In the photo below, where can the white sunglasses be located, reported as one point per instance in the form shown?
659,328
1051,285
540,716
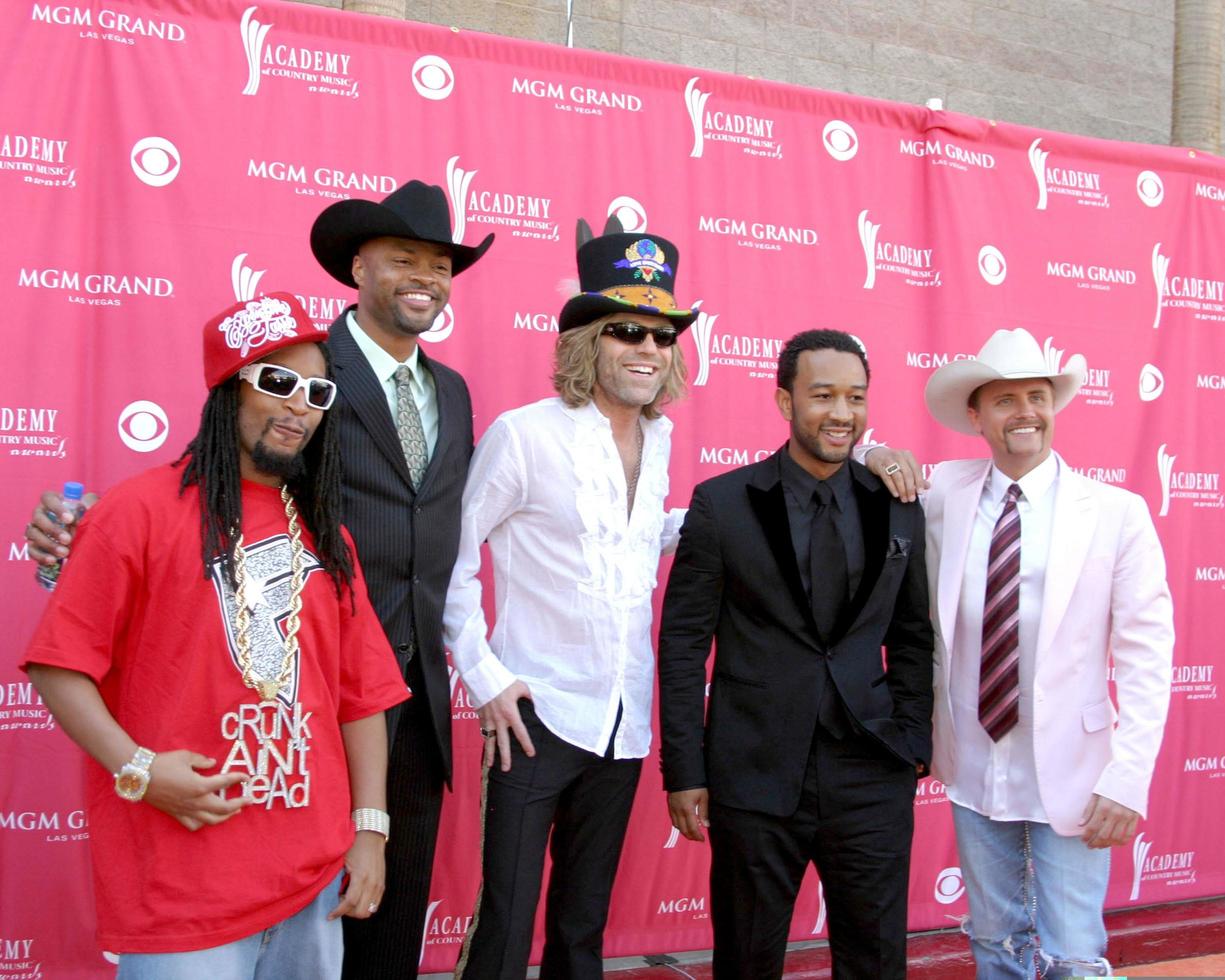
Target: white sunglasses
281,382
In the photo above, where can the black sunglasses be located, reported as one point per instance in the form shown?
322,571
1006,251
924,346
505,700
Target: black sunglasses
636,333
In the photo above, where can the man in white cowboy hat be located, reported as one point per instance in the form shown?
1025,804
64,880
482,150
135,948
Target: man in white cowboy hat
569,492
1040,578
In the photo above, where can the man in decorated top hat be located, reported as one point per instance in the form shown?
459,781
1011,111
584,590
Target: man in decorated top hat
234,702
1040,579
405,422
569,492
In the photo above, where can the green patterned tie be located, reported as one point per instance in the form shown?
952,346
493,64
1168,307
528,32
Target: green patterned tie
409,428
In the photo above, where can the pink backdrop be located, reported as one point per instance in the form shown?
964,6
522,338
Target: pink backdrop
159,158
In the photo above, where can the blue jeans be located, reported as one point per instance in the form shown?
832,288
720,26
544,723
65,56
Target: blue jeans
305,946
1035,899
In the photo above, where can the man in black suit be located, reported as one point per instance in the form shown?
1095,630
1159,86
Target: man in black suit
405,424
801,567
406,436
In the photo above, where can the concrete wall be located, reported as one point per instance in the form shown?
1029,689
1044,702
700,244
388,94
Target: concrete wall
1097,67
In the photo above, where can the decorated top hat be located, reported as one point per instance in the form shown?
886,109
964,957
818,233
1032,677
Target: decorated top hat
415,210
624,272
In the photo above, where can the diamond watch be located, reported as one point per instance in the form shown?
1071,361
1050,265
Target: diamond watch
133,779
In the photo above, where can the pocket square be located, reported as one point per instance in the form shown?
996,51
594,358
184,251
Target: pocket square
898,546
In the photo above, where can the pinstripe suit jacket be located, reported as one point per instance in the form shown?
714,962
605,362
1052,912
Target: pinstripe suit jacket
406,537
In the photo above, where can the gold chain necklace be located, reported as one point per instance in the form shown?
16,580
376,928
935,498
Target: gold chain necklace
633,483
268,689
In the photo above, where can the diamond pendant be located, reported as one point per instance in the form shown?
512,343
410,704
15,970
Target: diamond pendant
268,690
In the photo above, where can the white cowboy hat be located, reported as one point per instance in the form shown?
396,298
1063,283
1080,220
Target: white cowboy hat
1008,355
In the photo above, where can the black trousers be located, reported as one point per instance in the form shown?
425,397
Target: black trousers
855,822
585,800
388,944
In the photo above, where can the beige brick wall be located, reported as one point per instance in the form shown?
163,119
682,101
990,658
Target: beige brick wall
1098,67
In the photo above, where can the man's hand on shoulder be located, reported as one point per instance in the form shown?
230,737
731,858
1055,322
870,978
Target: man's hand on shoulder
898,470
690,811
1107,823
193,800
501,717
52,526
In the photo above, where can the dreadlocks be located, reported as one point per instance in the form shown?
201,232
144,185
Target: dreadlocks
212,466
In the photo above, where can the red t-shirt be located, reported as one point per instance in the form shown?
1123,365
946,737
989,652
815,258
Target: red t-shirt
134,612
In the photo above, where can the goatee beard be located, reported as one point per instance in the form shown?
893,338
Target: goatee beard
284,467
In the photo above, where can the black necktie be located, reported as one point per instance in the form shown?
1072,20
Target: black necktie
827,564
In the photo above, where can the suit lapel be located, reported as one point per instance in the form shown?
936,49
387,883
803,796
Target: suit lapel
960,508
874,521
365,396
448,397
769,504
1072,530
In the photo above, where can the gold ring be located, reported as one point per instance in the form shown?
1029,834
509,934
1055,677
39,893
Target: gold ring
891,469
489,732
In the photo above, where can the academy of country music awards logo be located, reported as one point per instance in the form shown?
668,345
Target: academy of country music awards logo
756,356
524,215
38,158
754,135
1204,297
579,99
1196,682
1172,869
462,708
323,72
1082,186
443,928
326,181
911,262
1094,390
106,24
1200,488
18,960
27,430
21,708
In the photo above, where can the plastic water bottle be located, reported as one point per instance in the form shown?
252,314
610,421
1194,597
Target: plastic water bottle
48,575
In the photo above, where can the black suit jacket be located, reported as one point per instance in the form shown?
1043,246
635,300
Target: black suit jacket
406,538
735,580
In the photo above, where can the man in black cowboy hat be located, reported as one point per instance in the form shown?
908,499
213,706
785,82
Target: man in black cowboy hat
405,425
569,492
406,428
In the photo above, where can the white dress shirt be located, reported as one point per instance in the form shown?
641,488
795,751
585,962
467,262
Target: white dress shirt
573,577
422,385
999,779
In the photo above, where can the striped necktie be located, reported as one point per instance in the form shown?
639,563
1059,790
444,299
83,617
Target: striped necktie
409,428
999,688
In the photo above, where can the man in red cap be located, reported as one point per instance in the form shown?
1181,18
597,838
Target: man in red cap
234,703
405,422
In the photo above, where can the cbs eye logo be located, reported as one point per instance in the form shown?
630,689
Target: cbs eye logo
840,139
432,77
991,265
949,886
155,161
143,426
631,214
444,323
1149,188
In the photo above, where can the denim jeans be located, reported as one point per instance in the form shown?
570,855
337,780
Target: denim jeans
305,947
1035,899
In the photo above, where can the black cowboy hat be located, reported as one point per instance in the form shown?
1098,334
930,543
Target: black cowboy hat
415,210
622,272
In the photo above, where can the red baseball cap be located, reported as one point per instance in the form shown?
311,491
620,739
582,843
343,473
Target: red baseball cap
251,330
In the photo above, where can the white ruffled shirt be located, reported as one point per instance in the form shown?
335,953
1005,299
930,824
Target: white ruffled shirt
573,578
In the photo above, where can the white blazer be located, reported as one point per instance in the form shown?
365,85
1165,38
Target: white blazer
1105,596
